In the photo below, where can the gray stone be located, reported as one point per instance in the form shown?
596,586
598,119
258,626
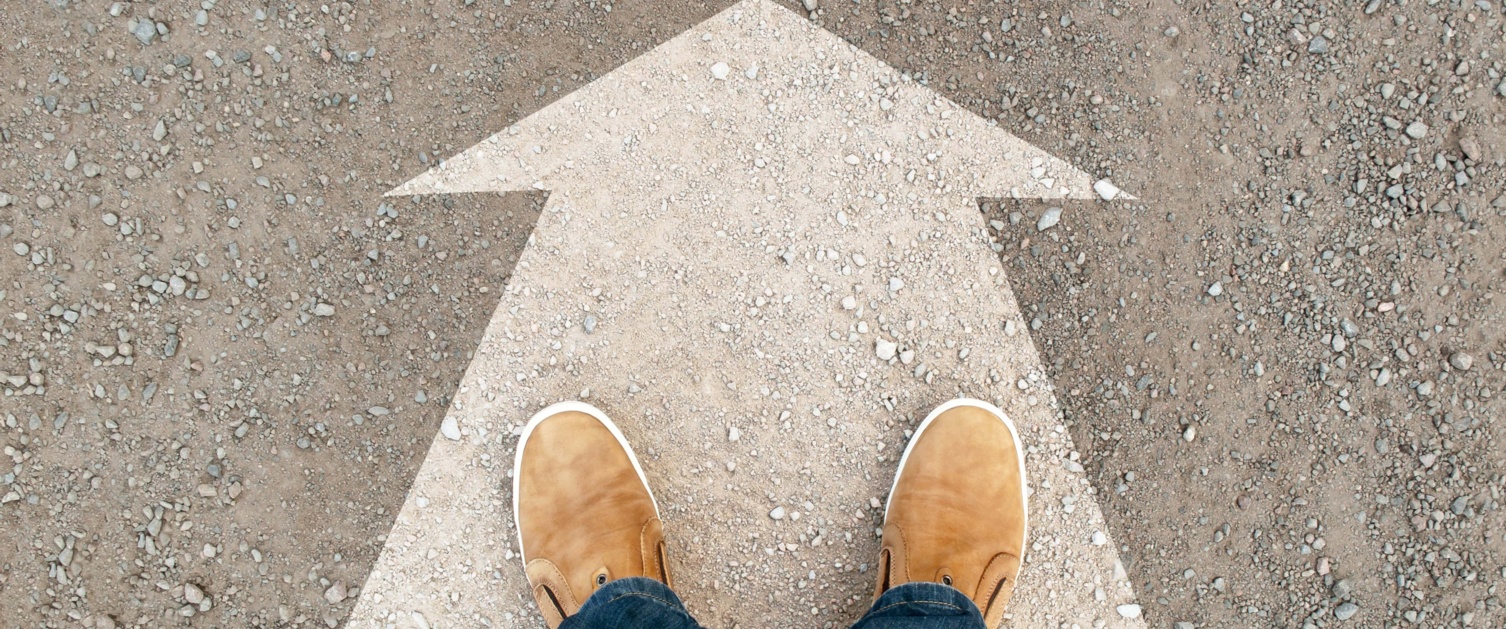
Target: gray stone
1417,130
335,593
1049,219
1318,45
1346,611
1471,148
1461,361
144,30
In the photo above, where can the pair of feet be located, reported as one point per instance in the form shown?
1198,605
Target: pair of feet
956,514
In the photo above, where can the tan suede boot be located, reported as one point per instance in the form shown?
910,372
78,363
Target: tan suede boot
584,512
957,512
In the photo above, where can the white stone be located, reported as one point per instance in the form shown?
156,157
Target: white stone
192,594
1106,189
450,428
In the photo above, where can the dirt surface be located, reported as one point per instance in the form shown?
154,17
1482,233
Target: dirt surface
1341,383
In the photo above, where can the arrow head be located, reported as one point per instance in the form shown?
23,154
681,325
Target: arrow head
759,92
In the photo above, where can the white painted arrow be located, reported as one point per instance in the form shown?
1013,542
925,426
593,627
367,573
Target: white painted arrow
737,220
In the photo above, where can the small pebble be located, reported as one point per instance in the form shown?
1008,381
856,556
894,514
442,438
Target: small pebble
335,593
1346,611
144,30
1049,219
1461,361
450,428
1106,189
192,594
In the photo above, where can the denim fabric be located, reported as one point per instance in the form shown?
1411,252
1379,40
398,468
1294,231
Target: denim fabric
639,603
632,603
922,606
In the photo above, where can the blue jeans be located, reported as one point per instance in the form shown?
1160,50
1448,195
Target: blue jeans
639,603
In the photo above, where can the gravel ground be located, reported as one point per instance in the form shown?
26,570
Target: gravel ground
1282,369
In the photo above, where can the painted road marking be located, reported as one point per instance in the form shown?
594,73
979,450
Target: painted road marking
745,218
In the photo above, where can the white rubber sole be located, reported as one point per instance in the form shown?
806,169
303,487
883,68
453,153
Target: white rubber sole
997,412
550,411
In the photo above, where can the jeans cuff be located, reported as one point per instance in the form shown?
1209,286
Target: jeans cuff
632,602
633,585
933,597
